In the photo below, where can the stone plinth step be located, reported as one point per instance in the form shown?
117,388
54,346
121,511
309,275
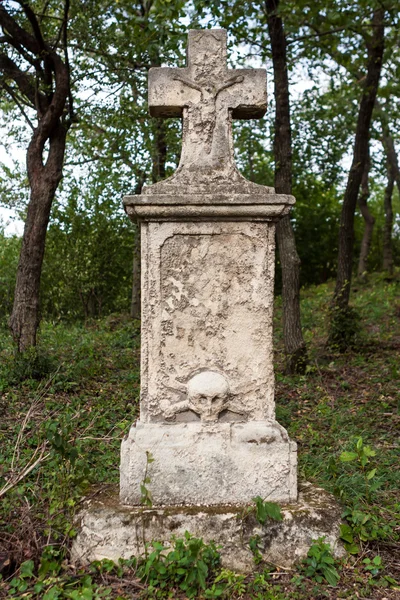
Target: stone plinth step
108,529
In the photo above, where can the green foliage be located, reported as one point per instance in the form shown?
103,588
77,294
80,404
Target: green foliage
146,497
9,252
344,326
267,510
254,543
374,566
320,564
79,413
365,526
186,567
31,364
361,457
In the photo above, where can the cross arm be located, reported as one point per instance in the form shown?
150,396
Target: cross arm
249,99
170,90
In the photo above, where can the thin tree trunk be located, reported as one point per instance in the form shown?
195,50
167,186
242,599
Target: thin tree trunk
44,180
295,348
136,268
360,153
387,231
46,86
369,223
159,157
388,145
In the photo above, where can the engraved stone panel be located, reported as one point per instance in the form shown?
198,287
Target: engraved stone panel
208,304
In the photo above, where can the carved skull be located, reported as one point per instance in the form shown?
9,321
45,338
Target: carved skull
208,395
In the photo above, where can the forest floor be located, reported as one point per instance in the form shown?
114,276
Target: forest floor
63,414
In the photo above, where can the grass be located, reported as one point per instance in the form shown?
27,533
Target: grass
68,426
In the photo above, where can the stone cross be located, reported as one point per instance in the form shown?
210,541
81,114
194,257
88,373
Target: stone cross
207,412
206,93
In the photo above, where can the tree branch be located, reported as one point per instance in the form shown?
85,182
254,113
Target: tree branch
66,58
19,34
14,96
48,78
24,81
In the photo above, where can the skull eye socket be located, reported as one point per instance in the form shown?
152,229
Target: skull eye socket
216,398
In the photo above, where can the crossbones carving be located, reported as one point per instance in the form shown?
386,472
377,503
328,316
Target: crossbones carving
207,396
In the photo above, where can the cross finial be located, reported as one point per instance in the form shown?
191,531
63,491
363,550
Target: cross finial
207,94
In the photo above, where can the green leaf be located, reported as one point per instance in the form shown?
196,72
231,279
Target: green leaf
351,548
359,443
348,456
371,474
26,569
267,510
368,451
346,533
332,576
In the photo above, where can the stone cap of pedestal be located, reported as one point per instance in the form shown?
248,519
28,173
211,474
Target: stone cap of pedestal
267,205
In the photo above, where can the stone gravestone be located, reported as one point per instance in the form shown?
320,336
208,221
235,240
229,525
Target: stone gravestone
207,414
207,441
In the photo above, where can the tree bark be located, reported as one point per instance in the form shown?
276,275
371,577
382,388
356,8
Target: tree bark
295,348
159,157
369,223
388,262
375,47
388,145
48,91
136,263
44,180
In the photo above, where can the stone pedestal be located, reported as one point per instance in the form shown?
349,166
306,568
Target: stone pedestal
209,464
107,529
207,413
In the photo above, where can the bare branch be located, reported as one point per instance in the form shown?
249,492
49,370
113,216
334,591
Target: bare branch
34,23
19,34
24,81
66,58
317,33
17,101
48,79
43,13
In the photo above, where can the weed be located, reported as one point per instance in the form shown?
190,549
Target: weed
187,566
267,510
320,564
361,457
146,497
344,326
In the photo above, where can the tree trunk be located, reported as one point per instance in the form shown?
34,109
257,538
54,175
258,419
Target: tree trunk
388,145
295,348
136,275
360,153
43,180
159,157
136,266
387,231
369,223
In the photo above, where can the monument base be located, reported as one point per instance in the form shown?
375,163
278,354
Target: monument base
208,463
111,530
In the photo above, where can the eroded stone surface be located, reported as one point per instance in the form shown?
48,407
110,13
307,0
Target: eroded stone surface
207,95
208,462
110,530
207,293
207,411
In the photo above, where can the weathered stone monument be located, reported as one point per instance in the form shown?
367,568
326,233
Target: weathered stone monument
207,411
207,436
